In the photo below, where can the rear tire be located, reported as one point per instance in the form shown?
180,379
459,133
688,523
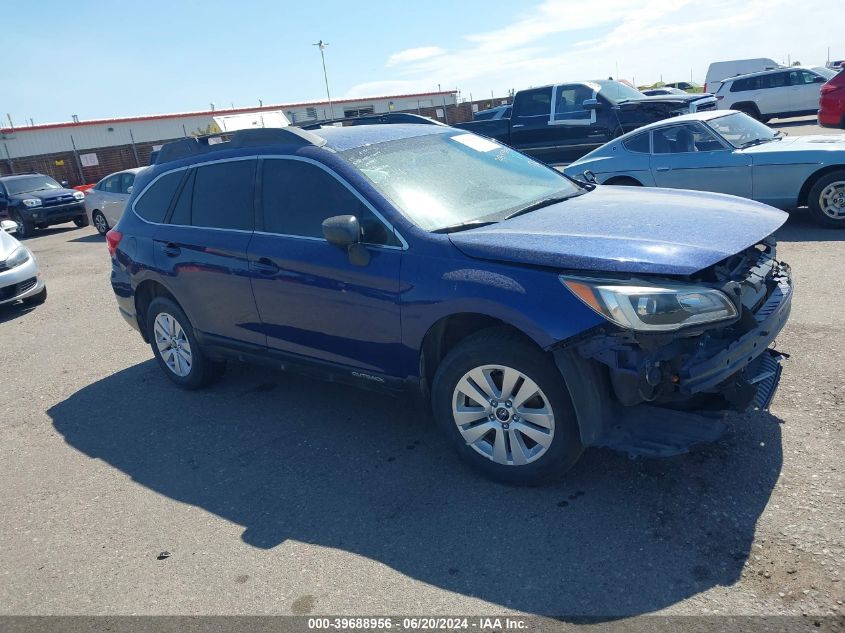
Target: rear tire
750,109
175,347
827,200
25,228
511,438
100,222
37,299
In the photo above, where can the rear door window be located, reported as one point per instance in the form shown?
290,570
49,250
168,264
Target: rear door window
534,103
111,184
221,196
155,201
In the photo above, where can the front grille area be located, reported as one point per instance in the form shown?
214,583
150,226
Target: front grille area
52,202
7,292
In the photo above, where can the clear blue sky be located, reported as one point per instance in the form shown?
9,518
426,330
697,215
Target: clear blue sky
99,59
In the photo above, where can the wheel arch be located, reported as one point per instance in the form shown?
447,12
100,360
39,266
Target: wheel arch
446,333
145,293
812,179
621,180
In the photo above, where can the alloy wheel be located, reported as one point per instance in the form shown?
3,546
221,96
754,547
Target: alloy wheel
173,344
100,223
503,415
832,200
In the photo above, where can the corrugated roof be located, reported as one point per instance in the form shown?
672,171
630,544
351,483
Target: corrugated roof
176,115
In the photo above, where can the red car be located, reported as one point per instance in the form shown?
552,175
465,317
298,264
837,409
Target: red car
832,102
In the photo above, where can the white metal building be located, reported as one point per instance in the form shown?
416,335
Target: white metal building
53,138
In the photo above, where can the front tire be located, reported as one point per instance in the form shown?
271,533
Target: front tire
176,348
25,228
81,221
100,222
505,407
827,200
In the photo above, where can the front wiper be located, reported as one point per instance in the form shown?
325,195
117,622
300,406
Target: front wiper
759,141
463,226
545,202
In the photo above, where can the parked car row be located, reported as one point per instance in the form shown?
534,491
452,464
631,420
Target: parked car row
727,152
562,122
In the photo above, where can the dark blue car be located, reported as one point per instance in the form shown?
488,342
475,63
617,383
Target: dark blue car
538,315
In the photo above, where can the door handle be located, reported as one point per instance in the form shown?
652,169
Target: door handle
663,169
265,266
518,125
171,250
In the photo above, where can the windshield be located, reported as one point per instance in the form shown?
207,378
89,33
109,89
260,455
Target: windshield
740,130
448,179
31,183
827,73
616,91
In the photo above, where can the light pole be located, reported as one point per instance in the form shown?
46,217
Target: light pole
322,45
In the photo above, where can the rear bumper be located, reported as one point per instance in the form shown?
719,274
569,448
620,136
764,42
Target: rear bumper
832,117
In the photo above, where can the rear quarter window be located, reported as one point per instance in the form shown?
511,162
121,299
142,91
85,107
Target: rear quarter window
639,143
153,204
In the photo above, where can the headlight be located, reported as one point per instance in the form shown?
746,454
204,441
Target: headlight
652,308
19,256
78,195
32,202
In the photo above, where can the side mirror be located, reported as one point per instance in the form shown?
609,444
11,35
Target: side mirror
344,231
819,80
590,177
64,183
591,104
9,226
129,189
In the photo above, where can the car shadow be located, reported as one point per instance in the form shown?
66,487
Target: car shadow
800,227
14,310
89,239
803,122
321,463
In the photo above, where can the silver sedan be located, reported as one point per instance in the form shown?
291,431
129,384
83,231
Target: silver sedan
20,276
106,200
727,152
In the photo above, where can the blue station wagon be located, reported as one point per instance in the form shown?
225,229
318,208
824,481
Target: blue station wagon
538,315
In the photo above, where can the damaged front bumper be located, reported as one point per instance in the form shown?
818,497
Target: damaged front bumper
658,394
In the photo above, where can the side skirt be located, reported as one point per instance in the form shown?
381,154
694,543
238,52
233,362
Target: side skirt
221,348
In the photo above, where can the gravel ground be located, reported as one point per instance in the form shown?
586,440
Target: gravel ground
272,493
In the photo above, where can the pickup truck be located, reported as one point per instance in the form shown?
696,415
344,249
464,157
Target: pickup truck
563,122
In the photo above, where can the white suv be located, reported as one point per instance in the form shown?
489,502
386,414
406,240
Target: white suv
774,93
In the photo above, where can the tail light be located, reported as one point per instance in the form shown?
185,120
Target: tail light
705,87
828,88
112,240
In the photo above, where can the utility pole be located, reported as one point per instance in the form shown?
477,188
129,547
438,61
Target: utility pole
322,46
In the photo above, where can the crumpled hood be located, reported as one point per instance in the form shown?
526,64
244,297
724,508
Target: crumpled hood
627,229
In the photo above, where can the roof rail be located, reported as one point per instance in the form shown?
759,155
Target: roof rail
376,119
253,137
